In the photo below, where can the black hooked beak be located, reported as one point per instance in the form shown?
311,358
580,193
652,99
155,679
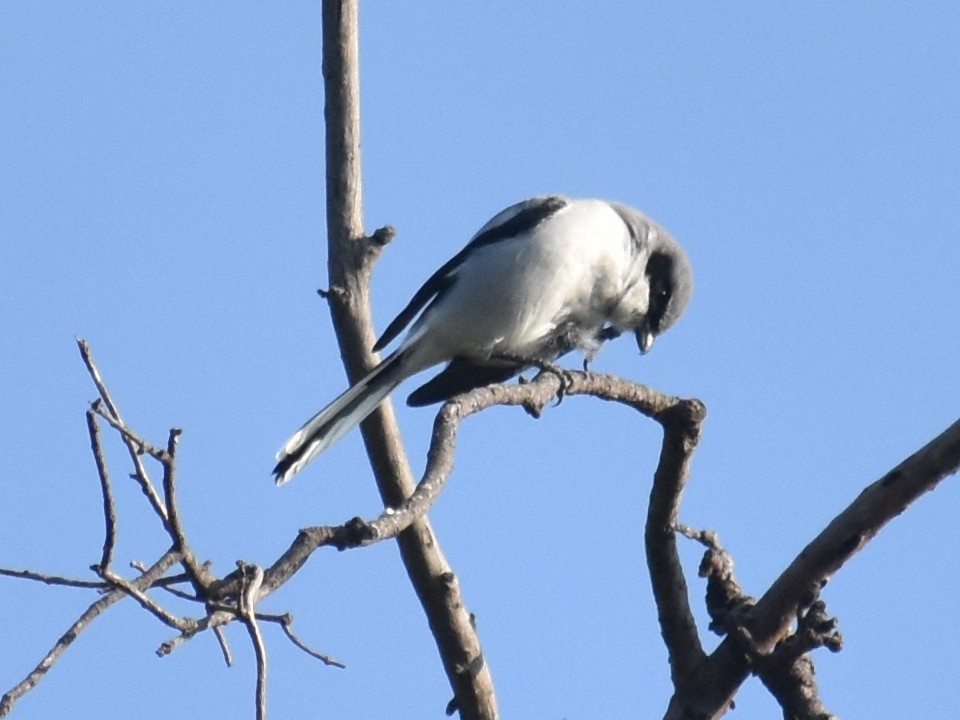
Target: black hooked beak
644,338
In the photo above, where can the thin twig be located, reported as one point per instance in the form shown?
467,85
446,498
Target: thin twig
52,579
91,613
251,580
87,355
167,583
176,592
109,510
224,645
140,445
148,604
286,624
133,447
199,575
168,509
215,618
707,538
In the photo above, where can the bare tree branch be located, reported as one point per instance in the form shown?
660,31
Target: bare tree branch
200,577
224,646
109,511
286,624
81,624
252,579
708,692
786,669
350,259
140,473
758,633
52,579
216,617
681,432
167,618
788,672
852,529
394,521
167,510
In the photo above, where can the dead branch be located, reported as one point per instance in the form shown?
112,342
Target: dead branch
786,668
140,474
234,597
109,511
286,624
159,612
52,579
90,614
681,432
708,692
758,634
167,511
199,575
251,580
350,259
852,529
788,671
394,521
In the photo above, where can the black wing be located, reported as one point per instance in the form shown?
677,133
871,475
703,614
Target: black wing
515,220
460,376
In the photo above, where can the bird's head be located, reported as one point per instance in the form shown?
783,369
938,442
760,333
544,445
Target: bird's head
670,284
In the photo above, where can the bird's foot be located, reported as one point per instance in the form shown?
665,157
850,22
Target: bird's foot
566,377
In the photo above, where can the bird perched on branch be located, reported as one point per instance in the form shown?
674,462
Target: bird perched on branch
543,277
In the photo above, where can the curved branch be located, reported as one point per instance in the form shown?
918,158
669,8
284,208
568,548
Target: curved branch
681,432
532,396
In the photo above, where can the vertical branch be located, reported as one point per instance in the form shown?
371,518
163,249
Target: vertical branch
350,260
251,578
198,574
681,431
109,511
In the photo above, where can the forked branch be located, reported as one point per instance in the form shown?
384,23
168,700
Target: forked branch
760,639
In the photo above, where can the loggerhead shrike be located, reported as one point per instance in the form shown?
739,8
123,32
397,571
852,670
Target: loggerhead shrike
543,277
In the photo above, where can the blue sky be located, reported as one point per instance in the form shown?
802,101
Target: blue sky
161,194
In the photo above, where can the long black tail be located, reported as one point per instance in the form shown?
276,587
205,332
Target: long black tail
339,417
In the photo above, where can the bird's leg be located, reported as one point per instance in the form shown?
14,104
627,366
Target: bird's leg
544,366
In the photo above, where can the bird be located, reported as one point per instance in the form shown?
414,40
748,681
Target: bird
543,277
